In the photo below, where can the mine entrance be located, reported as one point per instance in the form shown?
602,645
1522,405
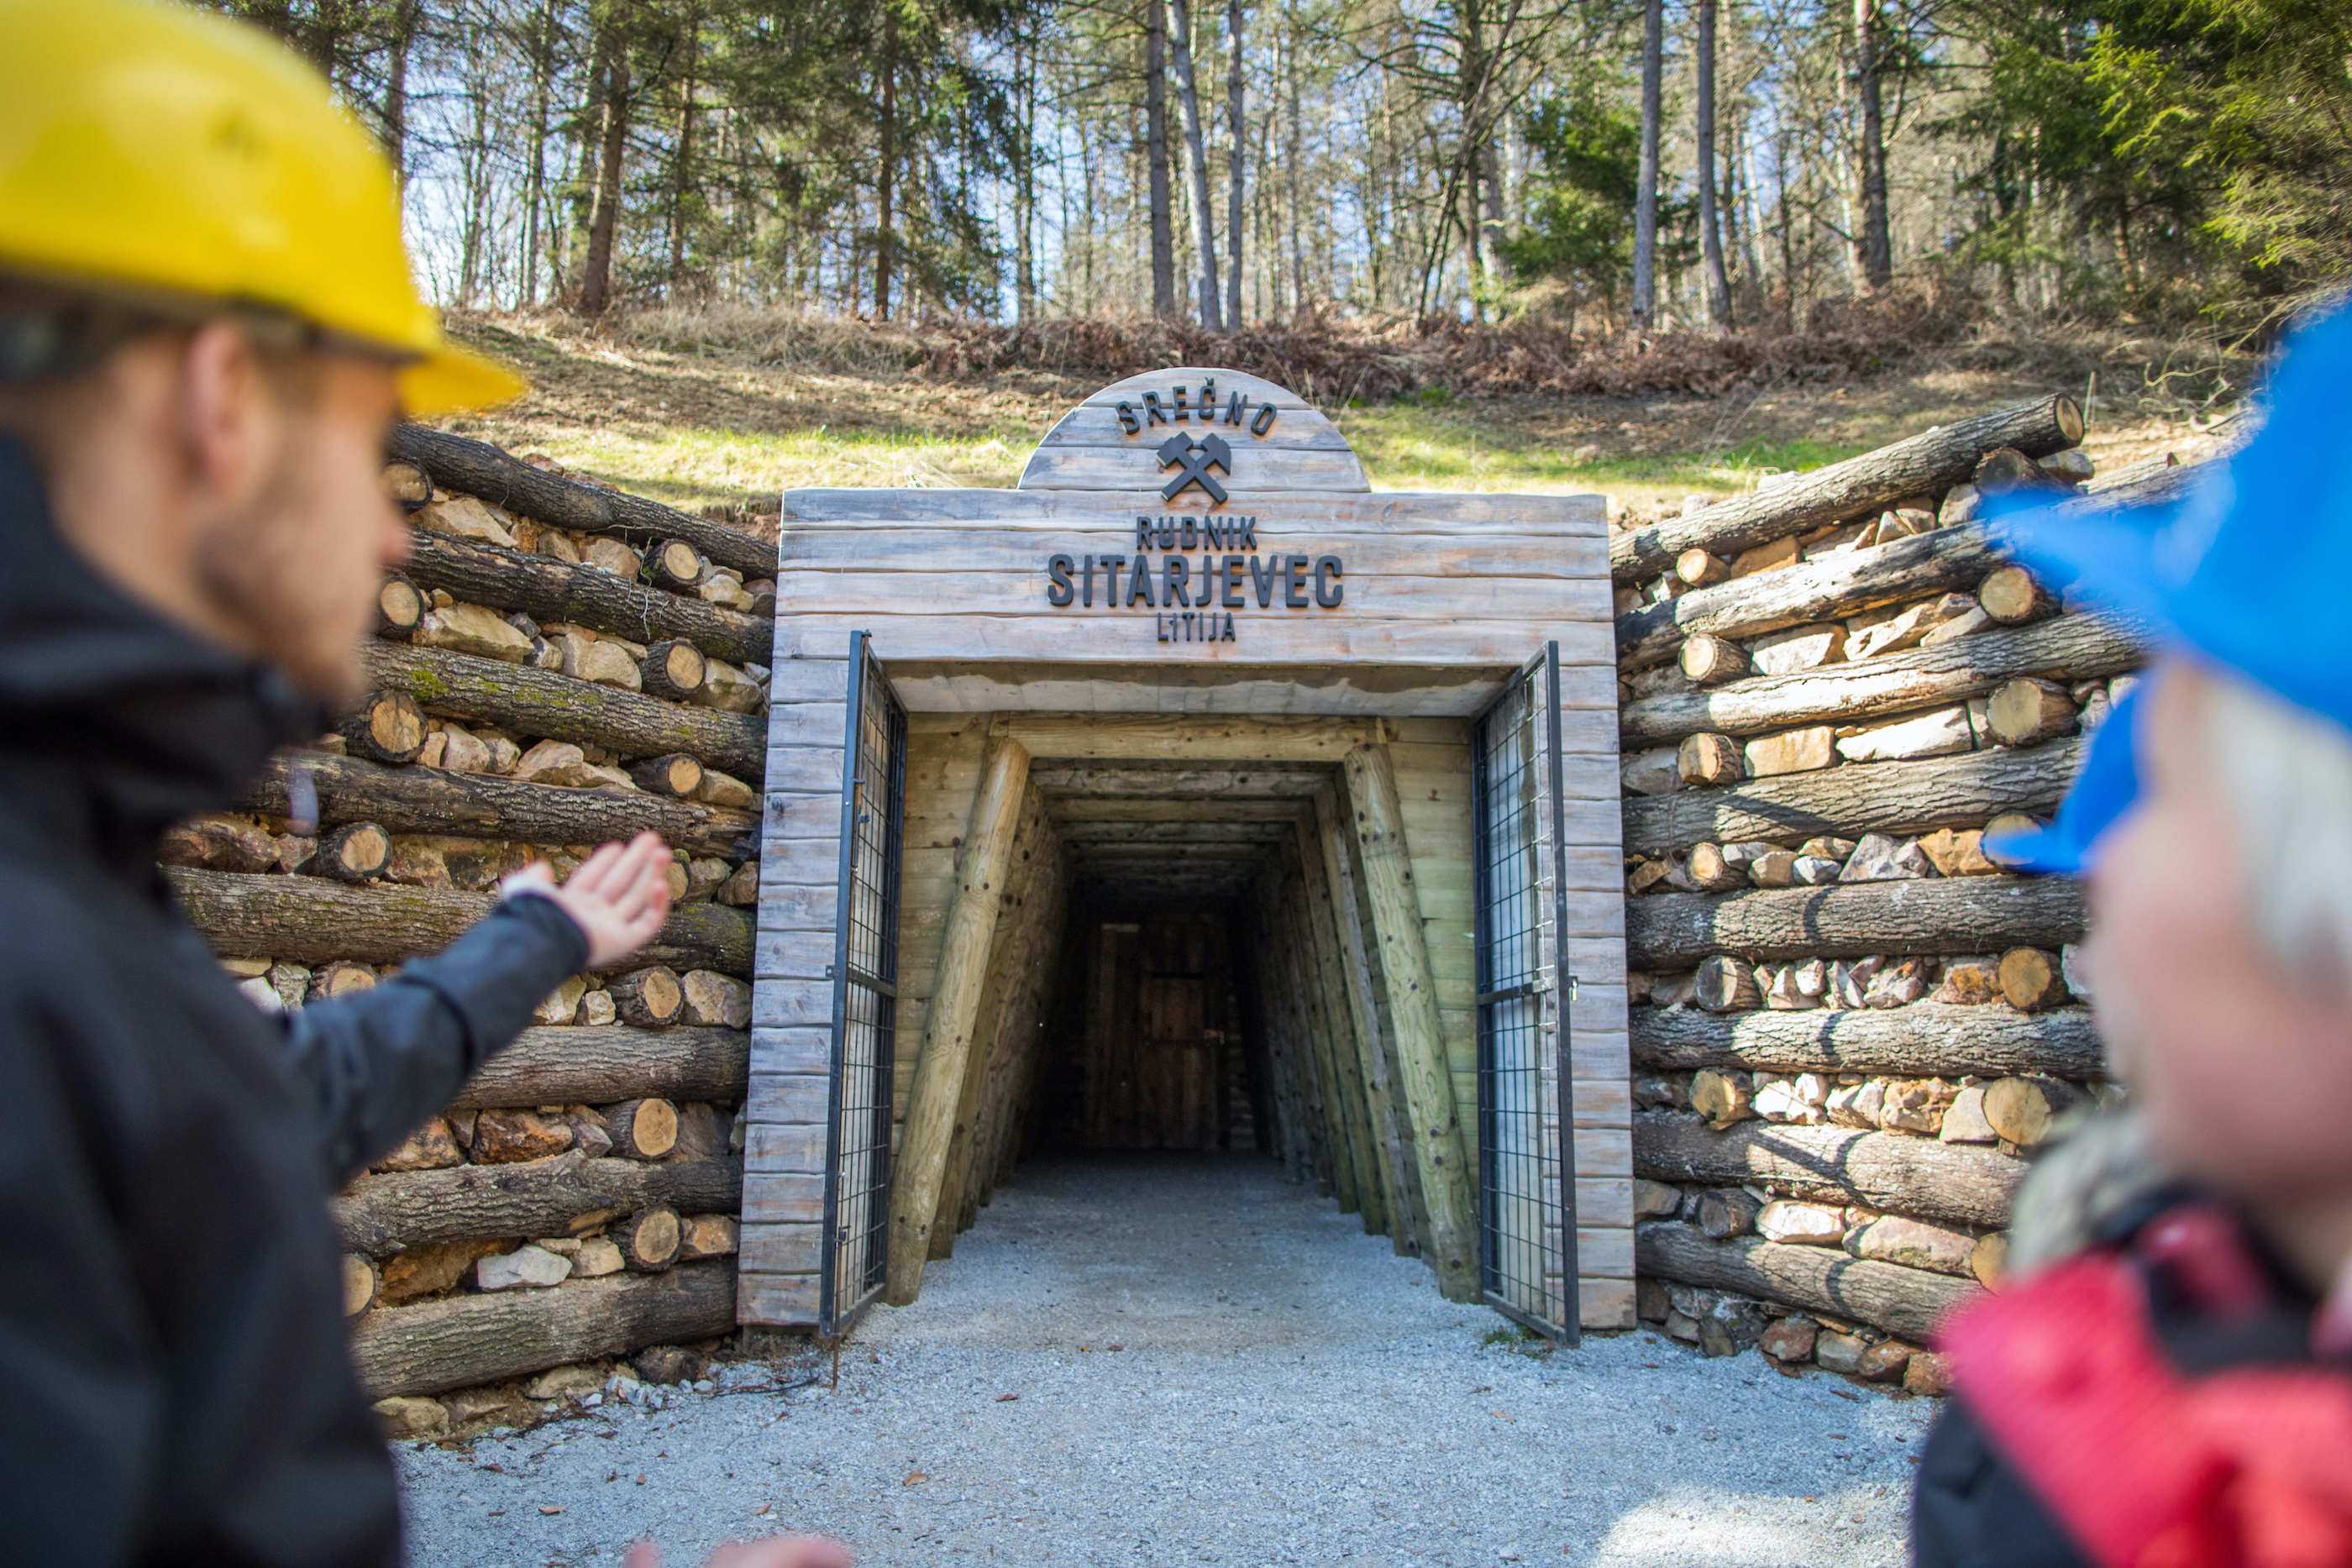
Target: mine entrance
1298,892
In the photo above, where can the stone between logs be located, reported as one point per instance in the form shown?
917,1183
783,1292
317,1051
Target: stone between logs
398,1210
1893,1172
1672,931
308,920
461,1340
481,805
1902,800
595,1064
2078,647
553,706
479,469
550,589
1909,1302
1925,465
1924,1039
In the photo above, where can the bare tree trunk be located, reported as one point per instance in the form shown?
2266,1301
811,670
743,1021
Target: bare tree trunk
1155,116
1710,216
885,175
1645,204
543,48
604,211
1295,172
1238,140
682,159
1874,257
1025,181
396,86
1197,159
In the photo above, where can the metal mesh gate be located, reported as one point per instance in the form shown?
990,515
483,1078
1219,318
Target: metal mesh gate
1526,1241
865,997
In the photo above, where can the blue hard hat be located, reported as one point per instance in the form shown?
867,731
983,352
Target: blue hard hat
2103,788
2202,573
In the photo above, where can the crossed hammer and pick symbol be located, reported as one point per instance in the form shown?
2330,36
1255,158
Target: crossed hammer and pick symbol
1195,458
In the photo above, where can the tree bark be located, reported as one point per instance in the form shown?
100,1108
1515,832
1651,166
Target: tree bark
456,462
1960,914
1155,114
549,590
1646,199
1909,1302
1710,218
461,1340
596,1064
1924,1039
473,805
612,66
1179,18
1237,126
307,920
548,706
380,1215
886,170
396,86
1872,250
2076,647
1896,1173
1962,791
1922,466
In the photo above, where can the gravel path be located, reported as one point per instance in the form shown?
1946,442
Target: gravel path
1210,1366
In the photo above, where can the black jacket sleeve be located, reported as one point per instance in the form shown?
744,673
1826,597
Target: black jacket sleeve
382,1061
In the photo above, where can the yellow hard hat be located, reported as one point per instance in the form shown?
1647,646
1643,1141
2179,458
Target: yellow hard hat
153,150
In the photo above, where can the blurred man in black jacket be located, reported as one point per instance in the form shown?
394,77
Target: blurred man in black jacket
207,328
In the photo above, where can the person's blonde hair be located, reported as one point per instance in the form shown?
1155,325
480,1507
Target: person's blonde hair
2286,774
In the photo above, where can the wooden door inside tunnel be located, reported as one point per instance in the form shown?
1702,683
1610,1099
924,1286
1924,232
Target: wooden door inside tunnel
1189,883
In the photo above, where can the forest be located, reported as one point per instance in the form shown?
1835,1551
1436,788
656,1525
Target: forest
1602,165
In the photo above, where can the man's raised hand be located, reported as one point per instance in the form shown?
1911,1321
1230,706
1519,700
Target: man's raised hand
618,897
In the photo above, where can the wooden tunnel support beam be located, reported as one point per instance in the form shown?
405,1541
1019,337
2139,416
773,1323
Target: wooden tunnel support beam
1372,1167
1450,1243
1316,1115
1006,973
1333,1056
1023,1041
937,1090
1328,849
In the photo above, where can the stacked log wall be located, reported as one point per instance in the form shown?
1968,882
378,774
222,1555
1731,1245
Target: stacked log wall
1850,1025
557,666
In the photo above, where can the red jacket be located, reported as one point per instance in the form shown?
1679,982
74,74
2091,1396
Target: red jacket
2153,1403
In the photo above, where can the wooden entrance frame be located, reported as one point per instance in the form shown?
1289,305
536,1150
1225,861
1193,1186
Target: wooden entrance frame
1304,722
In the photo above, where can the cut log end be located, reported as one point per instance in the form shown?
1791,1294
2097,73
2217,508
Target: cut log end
2011,595
650,997
357,852
678,564
676,774
2022,1110
1709,661
1725,983
1708,759
2068,415
2032,979
388,726
2026,710
407,484
674,669
643,1129
399,606
649,1240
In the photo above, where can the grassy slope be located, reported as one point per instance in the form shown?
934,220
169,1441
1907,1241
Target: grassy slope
718,425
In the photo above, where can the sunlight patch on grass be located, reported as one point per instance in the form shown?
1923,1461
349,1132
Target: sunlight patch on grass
1407,447
687,465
